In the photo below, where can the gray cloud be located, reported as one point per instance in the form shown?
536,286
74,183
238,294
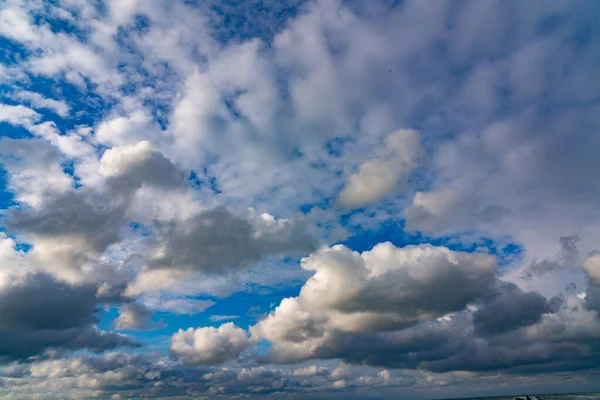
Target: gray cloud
128,167
218,240
567,257
22,344
40,302
508,308
37,314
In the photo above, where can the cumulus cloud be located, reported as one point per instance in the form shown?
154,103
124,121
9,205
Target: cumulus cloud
380,176
209,346
141,163
384,289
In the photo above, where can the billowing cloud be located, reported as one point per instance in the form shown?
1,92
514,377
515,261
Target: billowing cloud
384,289
209,346
134,165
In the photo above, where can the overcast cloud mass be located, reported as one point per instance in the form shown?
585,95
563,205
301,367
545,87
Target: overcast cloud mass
291,199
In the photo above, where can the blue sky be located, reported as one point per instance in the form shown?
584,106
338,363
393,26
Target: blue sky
298,199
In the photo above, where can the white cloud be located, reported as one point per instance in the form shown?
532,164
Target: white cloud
208,346
38,101
18,115
591,266
380,176
124,130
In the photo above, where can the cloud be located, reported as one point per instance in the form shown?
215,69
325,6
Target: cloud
209,346
380,176
384,289
591,266
70,227
402,285
124,130
39,302
559,341
568,257
40,314
38,101
35,169
218,240
508,308
179,306
448,209
131,166
287,107
18,115
136,316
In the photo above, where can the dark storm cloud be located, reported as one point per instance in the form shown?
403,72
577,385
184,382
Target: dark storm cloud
507,308
40,302
592,299
38,313
21,344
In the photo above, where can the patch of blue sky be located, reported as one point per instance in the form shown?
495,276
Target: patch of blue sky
336,146
6,197
206,180
238,21
11,52
393,232
90,107
139,229
58,24
13,132
248,307
151,340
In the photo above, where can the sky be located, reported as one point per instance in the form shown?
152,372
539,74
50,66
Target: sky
299,199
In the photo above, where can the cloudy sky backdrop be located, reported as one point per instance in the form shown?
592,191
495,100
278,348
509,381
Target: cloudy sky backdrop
298,199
